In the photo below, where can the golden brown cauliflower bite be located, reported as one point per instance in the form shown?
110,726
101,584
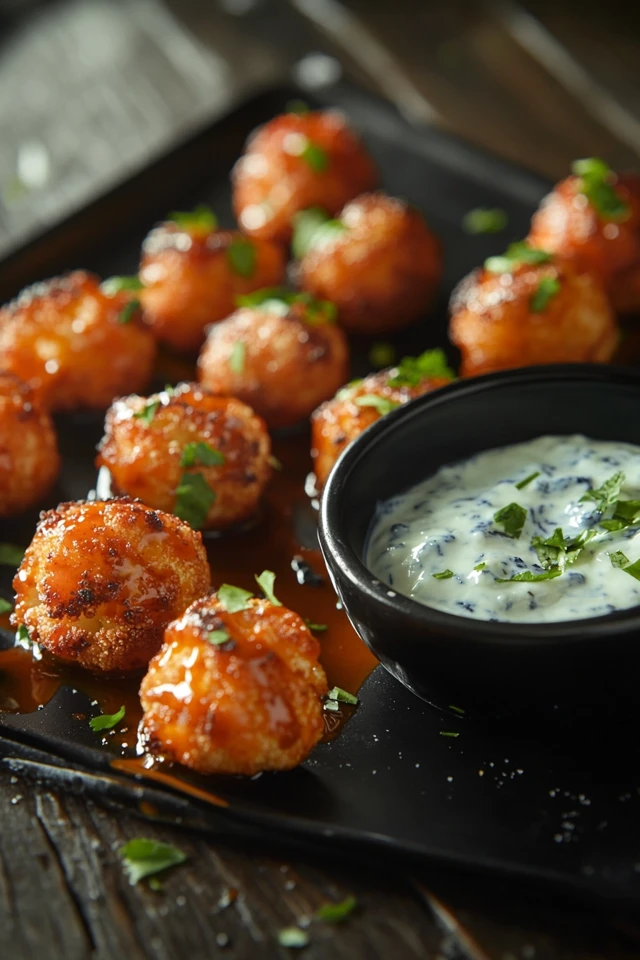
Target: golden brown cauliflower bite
378,262
335,424
593,218
29,460
101,580
529,307
77,344
282,353
204,458
297,161
236,687
192,272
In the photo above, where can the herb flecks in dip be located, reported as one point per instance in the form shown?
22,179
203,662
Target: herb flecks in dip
541,531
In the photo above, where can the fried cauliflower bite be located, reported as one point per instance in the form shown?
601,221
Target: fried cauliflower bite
337,423
29,460
204,458
521,313
101,580
192,273
74,344
594,220
297,161
238,705
282,356
379,263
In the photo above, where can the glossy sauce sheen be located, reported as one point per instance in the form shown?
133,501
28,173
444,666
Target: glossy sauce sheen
446,523
270,542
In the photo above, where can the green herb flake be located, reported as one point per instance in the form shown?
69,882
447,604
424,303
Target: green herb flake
22,635
315,157
280,300
337,693
113,285
316,627
336,912
201,454
383,405
293,937
237,357
218,637
512,518
527,480
516,255
331,706
411,371
129,311
382,355
233,599
457,709
485,220
266,581
480,566
313,229
144,858
242,257
596,183
148,412
547,289
449,733
633,570
618,559
107,720
608,493
301,107
443,575
5,606
10,555
202,217
194,499
529,577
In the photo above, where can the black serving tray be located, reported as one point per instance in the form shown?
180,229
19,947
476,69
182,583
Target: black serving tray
562,811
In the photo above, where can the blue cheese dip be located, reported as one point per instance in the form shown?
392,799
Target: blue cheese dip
541,531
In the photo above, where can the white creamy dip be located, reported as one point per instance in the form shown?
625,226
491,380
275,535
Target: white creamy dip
441,543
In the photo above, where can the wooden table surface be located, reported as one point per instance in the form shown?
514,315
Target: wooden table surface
90,90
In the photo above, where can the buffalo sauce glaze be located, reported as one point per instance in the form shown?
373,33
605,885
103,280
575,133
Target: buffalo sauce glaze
269,542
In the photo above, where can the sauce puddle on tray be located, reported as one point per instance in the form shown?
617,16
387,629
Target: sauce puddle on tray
280,540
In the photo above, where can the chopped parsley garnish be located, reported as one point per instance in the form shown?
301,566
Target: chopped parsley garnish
633,570
484,220
5,606
527,480
233,599
618,559
625,514
266,581
113,285
337,693
512,518
202,218
449,733
608,493
148,412
558,550
129,311
313,228
443,575
480,566
516,255
218,637
10,555
107,720
22,634
316,627
194,499
412,370
280,300
336,912
293,937
546,290
596,183
237,357
144,858
242,257
382,404
315,157
529,577
200,454
382,355
346,392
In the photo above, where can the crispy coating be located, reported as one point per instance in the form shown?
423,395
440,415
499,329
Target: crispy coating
566,223
144,457
297,161
190,281
337,423
289,364
101,580
382,272
66,340
29,460
251,704
494,327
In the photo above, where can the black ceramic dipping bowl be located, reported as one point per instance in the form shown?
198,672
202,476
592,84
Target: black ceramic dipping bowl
572,669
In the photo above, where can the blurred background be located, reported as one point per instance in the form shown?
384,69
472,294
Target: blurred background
91,90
